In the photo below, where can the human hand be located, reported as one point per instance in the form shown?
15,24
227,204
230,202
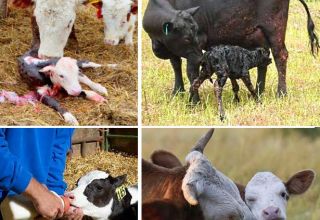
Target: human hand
45,202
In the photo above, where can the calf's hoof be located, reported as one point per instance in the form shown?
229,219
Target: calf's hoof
70,119
194,99
222,117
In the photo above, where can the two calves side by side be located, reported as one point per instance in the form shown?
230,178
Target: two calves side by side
230,62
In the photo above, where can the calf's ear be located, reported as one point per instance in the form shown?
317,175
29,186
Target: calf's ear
119,180
300,182
193,11
47,69
167,27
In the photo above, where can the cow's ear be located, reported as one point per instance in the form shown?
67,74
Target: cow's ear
119,180
193,11
47,69
300,182
167,27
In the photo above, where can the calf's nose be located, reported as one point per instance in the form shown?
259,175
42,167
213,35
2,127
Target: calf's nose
111,42
271,213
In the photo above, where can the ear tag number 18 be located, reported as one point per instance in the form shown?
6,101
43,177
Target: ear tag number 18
121,192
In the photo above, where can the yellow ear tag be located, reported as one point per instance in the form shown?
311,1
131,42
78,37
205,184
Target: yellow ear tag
121,192
94,1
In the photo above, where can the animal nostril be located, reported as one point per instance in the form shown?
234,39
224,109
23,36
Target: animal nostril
276,211
265,212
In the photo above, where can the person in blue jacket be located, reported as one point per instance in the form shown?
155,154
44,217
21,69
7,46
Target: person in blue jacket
32,163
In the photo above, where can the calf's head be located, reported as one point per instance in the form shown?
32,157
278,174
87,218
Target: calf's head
182,32
116,16
267,195
65,74
55,19
95,193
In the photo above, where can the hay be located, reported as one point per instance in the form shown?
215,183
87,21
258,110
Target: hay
116,163
121,108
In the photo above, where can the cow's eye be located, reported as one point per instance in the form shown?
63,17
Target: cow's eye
284,195
251,199
61,76
99,188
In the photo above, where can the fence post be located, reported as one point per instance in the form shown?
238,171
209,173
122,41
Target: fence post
3,9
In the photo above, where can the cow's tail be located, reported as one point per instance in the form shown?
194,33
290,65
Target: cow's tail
314,41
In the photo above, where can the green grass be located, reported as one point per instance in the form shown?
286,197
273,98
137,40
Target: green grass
300,107
240,153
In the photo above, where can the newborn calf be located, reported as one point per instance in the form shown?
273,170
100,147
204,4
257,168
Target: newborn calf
103,197
50,76
230,62
267,195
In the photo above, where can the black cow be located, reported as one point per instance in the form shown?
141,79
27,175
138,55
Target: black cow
182,28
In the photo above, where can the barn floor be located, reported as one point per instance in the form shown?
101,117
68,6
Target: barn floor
117,164
121,83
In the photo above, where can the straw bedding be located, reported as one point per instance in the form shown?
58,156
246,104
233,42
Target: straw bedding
121,83
115,163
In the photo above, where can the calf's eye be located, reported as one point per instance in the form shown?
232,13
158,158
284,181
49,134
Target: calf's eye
61,76
99,188
251,199
284,195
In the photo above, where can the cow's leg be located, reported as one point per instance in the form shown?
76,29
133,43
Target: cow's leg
91,95
94,86
280,55
235,88
35,33
52,103
246,80
261,80
178,80
162,52
193,65
218,87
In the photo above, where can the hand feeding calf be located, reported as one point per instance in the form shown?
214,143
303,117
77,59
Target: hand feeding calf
267,195
230,62
102,197
50,76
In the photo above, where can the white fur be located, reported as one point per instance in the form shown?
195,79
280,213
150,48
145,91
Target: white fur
55,19
70,119
115,20
265,189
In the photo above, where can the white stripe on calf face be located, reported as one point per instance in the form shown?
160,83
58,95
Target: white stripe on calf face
266,196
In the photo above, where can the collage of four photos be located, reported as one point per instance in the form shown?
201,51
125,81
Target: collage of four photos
159,109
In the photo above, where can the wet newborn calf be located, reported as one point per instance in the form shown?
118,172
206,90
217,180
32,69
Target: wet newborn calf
103,197
230,62
50,76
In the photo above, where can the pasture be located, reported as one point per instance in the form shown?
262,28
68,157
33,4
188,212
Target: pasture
300,107
240,153
121,82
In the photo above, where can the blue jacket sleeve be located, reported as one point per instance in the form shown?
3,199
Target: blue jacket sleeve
13,177
61,145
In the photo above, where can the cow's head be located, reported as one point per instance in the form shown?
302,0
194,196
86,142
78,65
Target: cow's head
181,33
95,192
65,74
216,194
55,20
116,18
267,195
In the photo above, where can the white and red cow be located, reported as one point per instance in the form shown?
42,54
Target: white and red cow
53,22
119,17
103,197
50,76
267,195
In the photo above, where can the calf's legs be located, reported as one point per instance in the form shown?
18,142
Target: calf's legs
246,80
235,88
218,87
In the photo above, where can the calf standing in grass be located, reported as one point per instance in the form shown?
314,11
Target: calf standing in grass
230,62
50,76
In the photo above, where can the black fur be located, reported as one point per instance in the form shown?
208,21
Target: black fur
230,62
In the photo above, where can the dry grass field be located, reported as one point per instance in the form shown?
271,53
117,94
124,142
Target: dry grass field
240,153
300,107
121,106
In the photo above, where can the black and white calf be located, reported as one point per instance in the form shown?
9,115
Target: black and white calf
50,76
102,197
230,62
